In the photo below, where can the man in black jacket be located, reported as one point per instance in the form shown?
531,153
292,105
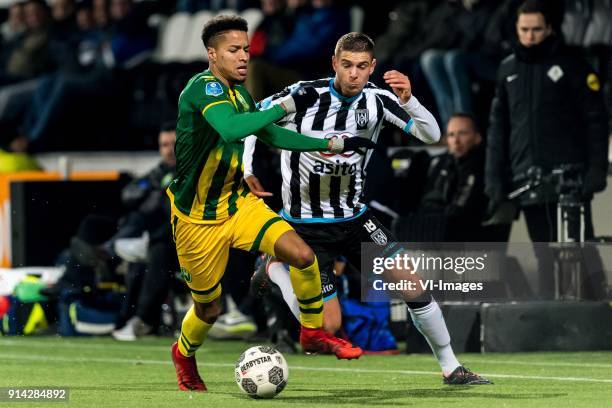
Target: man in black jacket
548,111
455,181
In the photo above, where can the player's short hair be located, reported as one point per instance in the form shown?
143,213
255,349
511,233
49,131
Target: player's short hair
533,7
467,115
220,24
355,42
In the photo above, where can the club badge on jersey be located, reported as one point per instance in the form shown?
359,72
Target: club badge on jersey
213,89
361,117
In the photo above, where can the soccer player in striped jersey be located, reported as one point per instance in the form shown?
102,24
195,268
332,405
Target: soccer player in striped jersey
322,190
212,209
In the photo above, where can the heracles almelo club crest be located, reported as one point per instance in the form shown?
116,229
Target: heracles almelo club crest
379,237
361,117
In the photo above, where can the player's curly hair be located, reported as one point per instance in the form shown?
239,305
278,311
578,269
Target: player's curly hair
221,24
355,42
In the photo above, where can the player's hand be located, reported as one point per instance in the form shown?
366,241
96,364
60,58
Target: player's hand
352,144
400,84
300,99
256,187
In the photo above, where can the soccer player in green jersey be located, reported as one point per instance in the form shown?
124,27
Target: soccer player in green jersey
213,209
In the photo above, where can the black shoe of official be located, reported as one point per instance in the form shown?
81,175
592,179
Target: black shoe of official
284,343
260,281
463,376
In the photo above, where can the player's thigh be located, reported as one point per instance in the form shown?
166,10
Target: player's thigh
202,251
384,244
255,227
321,240
368,229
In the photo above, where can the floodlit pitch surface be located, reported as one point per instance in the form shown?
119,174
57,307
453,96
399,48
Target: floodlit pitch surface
102,372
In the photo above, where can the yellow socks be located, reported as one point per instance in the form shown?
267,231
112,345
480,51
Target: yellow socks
193,333
307,287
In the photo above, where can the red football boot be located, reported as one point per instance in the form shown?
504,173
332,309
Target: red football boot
315,340
186,371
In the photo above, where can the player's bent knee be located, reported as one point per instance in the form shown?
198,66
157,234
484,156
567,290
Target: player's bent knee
290,248
304,257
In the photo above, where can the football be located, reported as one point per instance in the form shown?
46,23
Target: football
261,372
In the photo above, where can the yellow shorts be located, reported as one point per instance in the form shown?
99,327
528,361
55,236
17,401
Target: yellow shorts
203,249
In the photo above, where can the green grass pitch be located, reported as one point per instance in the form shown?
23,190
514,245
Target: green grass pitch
103,373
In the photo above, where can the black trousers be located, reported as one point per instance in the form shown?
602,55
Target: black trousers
156,281
542,227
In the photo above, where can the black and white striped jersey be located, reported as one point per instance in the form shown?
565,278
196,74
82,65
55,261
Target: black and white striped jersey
327,187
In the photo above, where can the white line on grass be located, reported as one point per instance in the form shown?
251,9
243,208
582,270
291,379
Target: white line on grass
135,345
293,367
539,363
85,345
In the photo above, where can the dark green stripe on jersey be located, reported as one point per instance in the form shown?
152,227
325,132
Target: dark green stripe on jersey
217,183
238,177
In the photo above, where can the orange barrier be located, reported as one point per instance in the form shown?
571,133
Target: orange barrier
5,200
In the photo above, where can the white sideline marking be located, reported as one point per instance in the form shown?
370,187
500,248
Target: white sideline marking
293,367
135,345
87,345
541,363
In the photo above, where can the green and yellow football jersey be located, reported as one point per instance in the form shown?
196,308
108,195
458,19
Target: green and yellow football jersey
209,185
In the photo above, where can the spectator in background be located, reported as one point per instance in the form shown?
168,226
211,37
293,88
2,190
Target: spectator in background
29,54
15,23
131,35
192,6
548,111
410,33
92,259
63,13
318,24
16,98
271,33
85,73
316,30
99,53
100,13
455,183
152,247
449,72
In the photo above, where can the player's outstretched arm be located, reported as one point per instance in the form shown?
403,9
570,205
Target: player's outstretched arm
233,126
282,138
288,140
